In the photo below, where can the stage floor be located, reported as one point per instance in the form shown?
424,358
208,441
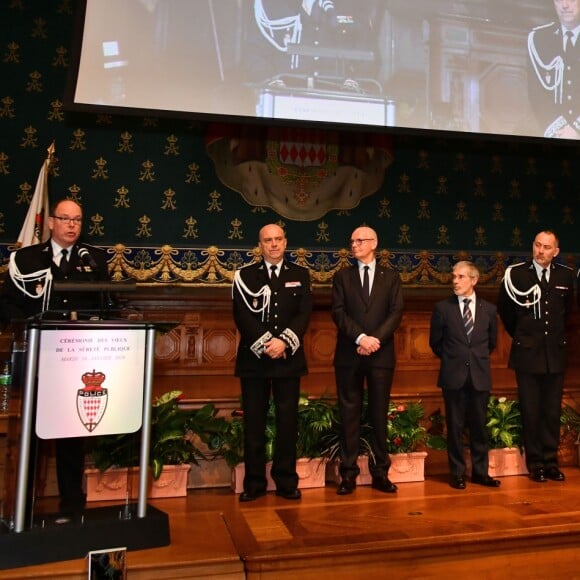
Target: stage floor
427,530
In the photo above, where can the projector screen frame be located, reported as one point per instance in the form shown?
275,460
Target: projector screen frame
449,24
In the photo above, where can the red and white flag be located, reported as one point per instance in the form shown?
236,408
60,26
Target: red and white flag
35,228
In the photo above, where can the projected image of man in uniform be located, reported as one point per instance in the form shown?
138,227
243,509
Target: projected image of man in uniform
554,65
297,42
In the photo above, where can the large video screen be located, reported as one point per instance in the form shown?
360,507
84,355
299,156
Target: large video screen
477,66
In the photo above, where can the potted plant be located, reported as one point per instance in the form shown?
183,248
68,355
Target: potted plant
504,426
570,432
175,437
504,423
315,417
405,439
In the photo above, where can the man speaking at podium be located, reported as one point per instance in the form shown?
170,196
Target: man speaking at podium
29,291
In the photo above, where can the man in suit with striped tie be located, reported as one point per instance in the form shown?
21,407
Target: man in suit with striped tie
463,333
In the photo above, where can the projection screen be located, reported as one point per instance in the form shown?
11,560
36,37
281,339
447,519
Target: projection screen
475,66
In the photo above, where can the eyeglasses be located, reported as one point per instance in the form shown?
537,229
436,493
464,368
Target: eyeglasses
359,241
77,221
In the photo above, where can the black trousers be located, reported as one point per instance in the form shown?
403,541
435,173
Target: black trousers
350,383
466,407
540,397
255,401
70,463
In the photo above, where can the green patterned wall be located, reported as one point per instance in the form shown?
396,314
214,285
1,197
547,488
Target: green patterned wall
151,195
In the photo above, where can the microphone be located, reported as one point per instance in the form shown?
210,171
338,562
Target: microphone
87,259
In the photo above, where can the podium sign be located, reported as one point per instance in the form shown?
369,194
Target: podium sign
90,382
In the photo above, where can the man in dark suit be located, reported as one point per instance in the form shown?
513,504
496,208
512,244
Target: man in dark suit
272,303
554,65
367,307
535,303
28,290
463,334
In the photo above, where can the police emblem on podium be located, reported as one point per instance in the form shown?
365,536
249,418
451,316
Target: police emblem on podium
92,399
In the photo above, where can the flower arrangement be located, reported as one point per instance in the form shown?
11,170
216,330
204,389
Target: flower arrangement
175,433
405,433
319,430
504,423
316,416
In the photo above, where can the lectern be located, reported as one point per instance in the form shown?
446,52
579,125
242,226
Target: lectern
84,378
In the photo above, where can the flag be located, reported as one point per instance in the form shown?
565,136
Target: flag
35,228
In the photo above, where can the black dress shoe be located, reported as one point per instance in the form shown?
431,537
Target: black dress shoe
485,480
251,495
289,494
537,474
554,474
457,481
346,487
384,484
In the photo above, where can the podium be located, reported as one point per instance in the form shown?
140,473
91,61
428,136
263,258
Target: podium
84,352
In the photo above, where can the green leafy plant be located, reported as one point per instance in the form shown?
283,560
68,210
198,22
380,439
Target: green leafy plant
570,422
436,438
176,435
405,433
315,417
319,430
504,423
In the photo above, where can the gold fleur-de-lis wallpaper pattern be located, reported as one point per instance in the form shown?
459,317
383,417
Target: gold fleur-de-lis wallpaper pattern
152,198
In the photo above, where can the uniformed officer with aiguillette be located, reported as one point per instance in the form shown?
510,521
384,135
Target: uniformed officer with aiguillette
535,303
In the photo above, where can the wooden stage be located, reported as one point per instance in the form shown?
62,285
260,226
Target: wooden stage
427,530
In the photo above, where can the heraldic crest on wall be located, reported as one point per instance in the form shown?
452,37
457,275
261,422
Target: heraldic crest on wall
302,174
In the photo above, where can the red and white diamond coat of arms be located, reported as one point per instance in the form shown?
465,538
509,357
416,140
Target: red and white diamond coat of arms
92,399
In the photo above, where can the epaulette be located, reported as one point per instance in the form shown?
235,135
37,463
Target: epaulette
562,265
515,265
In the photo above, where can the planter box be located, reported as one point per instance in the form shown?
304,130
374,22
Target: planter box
311,473
405,467
123,483
502,462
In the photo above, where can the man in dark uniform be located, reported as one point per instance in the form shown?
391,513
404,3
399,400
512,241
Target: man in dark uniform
28,291
272,302
535,303
554,72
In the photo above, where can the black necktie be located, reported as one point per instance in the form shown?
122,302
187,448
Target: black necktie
568,41
64,263
467,318
365,283
544,279
273,273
